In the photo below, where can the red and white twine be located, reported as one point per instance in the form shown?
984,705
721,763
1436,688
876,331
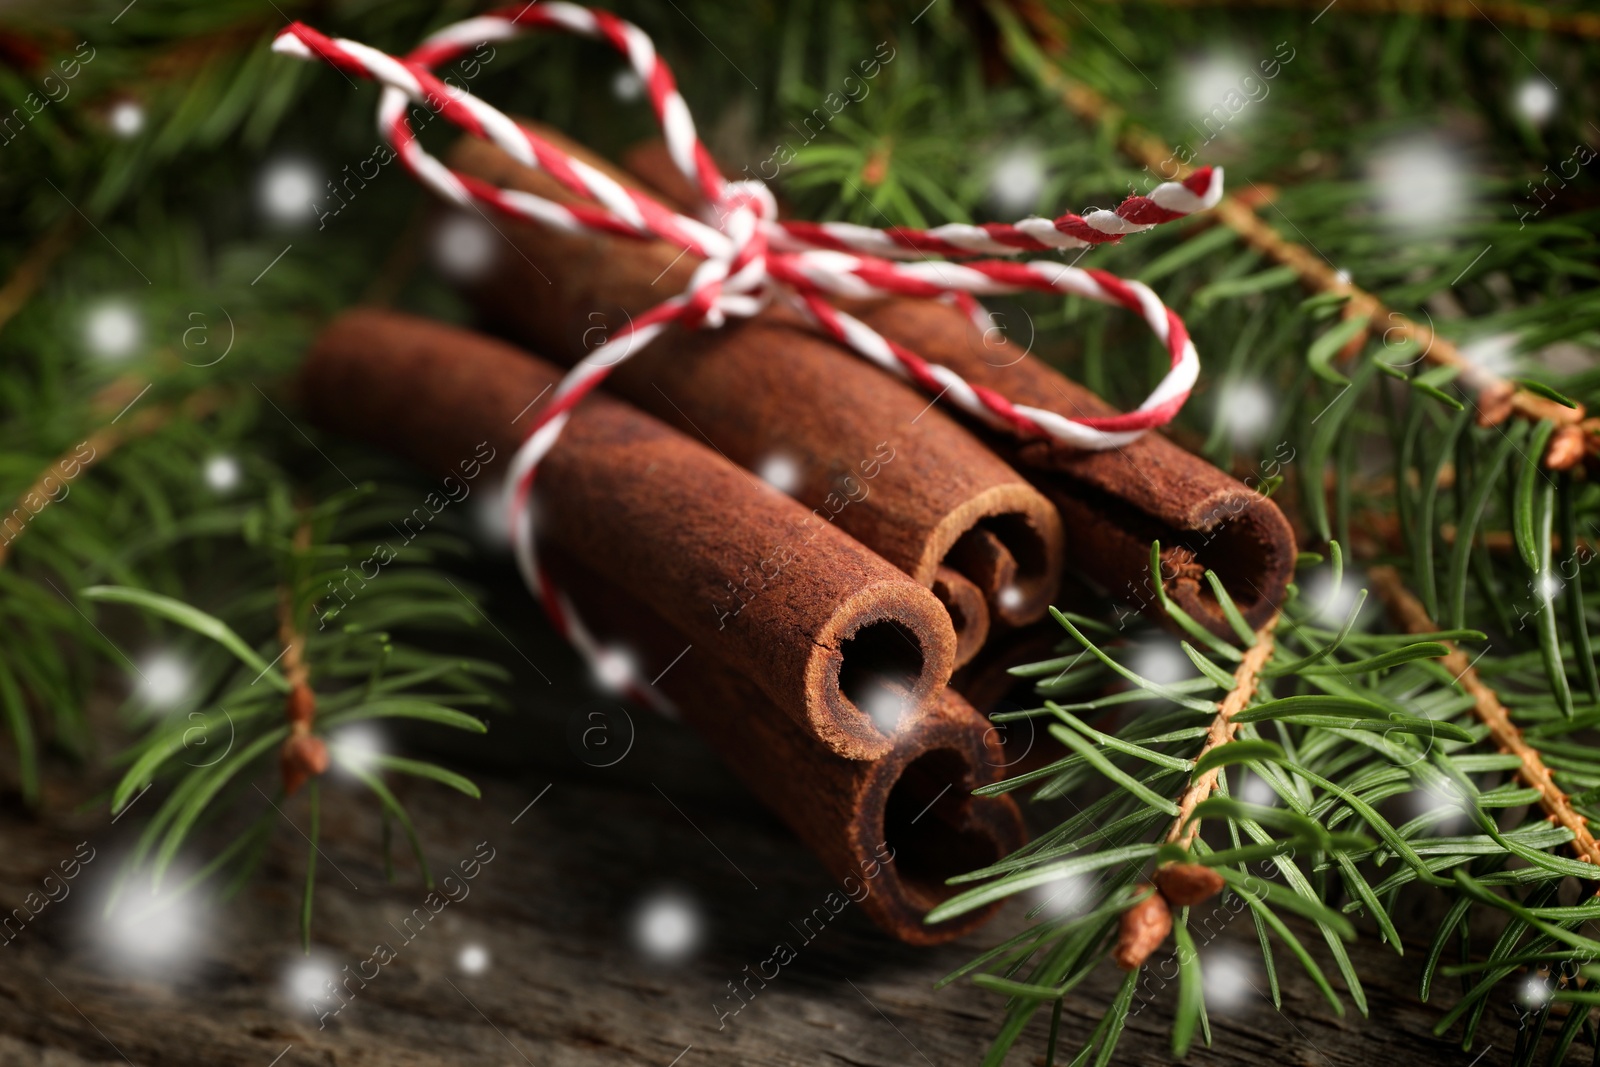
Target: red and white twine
750,257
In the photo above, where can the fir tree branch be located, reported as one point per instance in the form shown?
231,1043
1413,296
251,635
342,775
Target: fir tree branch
1497,398
303,754
31,271
1408,613
110,437
1530,16
1223,727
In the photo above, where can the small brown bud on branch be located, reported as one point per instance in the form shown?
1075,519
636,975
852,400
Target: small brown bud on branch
1144,926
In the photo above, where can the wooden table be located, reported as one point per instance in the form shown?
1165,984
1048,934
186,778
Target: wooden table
575,849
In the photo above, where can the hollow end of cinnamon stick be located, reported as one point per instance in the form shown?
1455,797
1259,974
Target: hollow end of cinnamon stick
1114,503
1239,535
849,646
900,825
968,609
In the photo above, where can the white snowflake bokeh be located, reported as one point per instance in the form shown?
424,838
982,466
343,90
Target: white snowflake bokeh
309,983
1227,977
1255,790
615,669
780,471
1536,100
473,959
464,247
1061,898
1494,355
288,191
1419,184
881,701
356,748
152,930
626,86
1246,408
667,926
1161,660
164,680
1214,80
126,118
1016,180
112,329
222,473
1331,603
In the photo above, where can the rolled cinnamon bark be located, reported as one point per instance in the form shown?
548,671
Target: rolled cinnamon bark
968,609
845,644
891,829
774,396
1116,502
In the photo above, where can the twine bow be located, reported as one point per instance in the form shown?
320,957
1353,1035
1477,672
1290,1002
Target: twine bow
749,258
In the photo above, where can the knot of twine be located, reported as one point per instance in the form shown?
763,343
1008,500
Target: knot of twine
749,258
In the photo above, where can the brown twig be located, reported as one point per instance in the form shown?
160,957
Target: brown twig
304,755
1496,397
1223,727
1577,23
1143,927
1409,614
31,271
102,442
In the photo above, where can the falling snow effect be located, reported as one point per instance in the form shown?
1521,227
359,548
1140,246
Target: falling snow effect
626,86
1495,355
1162,661
1009,598
163,681
881,701
1536,101
666,927
151,929
1061,898
1331,603
113,330
473,959
288,191
1440,804
781,472
222,473
1246,408
308,984
1419,184
464,248
614,669
1016,181
1219,81
356,748
1535,992
126,118
1227,980
1255,790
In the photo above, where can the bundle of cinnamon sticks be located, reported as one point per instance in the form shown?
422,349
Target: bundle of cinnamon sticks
829,546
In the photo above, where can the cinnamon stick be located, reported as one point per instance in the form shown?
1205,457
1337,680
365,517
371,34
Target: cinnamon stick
891,829
1114,503
849,647
890,468
1118,501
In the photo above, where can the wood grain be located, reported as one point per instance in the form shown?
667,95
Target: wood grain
563,985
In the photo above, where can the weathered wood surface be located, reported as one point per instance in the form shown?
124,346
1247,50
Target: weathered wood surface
565,984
